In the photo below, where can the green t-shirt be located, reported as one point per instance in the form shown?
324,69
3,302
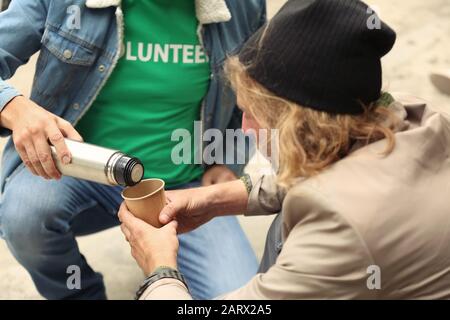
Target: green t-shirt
157,87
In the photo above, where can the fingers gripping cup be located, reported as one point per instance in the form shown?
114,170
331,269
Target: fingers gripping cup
146,200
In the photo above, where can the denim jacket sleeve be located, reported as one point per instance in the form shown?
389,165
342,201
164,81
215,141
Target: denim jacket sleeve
21,29
236,118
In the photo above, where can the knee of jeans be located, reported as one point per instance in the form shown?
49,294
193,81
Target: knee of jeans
28,219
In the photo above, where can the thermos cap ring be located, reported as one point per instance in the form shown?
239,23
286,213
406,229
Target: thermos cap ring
137,172
128,171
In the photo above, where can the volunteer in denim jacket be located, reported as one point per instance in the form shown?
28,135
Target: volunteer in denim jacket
124,75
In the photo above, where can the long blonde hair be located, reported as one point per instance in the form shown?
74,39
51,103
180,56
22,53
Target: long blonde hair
310,140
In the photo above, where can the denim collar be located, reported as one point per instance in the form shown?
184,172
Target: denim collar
208,11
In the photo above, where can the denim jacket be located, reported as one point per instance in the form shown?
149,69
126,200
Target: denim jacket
75,63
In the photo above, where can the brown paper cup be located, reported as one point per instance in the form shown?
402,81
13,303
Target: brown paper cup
146,200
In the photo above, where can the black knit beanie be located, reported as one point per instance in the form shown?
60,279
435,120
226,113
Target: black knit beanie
321,54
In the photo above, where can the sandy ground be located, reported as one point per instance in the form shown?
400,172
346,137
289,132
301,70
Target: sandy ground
423,45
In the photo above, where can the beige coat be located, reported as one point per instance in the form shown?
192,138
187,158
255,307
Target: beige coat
369,227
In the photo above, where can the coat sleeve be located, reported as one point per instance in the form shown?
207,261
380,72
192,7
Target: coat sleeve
323,257
21,29
266,197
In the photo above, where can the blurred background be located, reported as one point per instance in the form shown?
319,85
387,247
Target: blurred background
422,47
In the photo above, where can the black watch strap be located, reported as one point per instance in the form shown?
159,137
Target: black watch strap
160,273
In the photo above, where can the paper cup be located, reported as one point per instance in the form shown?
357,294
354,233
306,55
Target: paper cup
146,200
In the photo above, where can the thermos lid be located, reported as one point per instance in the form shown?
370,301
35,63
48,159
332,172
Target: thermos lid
128,171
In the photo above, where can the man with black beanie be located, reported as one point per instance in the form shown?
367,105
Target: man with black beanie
327,58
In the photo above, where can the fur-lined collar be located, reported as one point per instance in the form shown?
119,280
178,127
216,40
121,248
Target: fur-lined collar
208,11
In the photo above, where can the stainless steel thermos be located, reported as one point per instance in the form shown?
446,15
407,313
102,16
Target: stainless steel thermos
102,165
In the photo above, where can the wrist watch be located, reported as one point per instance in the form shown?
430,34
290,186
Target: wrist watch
162,272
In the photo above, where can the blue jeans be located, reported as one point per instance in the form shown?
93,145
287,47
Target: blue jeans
40,219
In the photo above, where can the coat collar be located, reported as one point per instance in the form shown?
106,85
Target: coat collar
208,11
